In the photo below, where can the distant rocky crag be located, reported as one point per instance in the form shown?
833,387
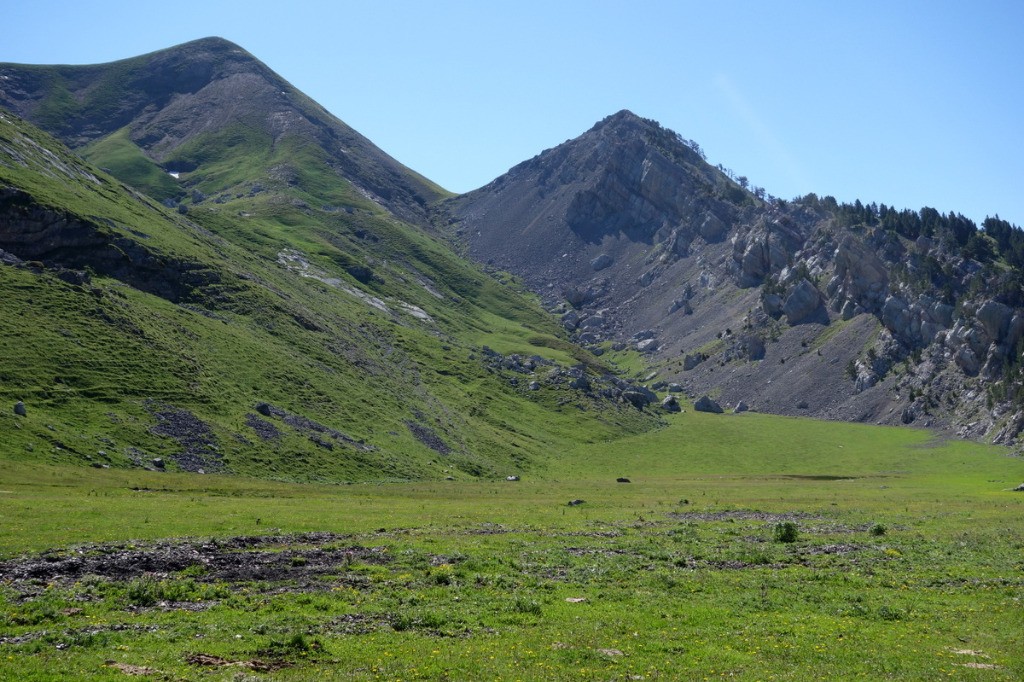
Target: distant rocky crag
852,312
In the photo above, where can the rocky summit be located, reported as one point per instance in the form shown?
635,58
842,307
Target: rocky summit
803,307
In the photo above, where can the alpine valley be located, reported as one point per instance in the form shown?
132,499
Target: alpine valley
275,407
206,269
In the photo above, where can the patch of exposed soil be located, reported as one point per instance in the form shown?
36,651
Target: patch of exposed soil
211,661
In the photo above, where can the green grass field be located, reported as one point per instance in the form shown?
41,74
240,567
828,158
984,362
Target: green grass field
908,563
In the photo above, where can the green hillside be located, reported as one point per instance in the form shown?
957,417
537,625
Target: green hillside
138,332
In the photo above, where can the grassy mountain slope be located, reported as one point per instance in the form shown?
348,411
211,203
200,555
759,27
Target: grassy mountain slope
189,105
138,332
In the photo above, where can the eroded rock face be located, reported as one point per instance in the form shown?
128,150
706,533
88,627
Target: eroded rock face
860,275
60,241
995,319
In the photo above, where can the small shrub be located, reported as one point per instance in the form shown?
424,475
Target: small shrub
886,612
529,606
295,645
877,530
786,532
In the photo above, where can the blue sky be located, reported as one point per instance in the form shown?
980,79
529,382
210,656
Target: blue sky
904,103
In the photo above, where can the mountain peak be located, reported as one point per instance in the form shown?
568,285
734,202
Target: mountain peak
169,108
622,118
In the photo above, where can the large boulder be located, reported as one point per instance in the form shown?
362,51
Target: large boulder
639,397
802,303
691,361
671,404
713,229
601,262
706,404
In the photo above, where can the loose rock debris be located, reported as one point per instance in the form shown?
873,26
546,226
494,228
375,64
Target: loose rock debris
272,558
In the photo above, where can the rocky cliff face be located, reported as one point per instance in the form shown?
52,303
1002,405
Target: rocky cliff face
792,307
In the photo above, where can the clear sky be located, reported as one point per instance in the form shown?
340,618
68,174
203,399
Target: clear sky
905,103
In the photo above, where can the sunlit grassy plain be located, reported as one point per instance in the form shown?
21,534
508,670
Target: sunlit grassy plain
909,564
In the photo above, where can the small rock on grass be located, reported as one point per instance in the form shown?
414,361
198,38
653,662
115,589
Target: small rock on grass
576,503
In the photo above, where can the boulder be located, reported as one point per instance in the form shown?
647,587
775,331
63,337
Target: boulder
713,229
671,404
534,386
580,383
741,407
675,388
622,479
575,503
706,404
19,409
158,463
750,347
772,304
691,361
571,320
647,346
512,479
601,262
639,396
681,304
967,361
802,303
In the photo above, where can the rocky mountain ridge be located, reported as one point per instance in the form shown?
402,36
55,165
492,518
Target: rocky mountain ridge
806,307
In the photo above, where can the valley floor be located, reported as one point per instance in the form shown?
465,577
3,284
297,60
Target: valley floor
743,546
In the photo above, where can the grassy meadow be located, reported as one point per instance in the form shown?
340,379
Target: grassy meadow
907,563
